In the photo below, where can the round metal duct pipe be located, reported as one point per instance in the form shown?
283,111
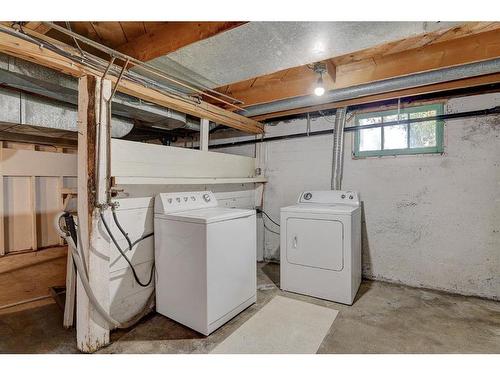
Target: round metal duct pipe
379,87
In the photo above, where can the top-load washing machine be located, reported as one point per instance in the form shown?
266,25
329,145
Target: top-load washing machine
320,249
205,258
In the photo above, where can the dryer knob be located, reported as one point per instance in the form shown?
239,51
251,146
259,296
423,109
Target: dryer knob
206,198
307,196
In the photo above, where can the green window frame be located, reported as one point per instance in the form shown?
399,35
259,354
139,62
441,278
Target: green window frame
404,114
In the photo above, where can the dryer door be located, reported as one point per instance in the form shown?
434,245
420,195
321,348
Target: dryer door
315,243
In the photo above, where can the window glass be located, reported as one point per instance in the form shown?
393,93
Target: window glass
404,138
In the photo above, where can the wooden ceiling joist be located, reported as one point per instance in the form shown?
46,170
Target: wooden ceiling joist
463,44
18,47
423,90
171,36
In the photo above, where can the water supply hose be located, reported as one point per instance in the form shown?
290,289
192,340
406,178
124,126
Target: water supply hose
79,262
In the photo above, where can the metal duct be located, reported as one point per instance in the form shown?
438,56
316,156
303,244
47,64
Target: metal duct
21,109
338,148
388,85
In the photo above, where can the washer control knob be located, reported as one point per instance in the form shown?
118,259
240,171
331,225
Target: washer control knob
342,196
169,200
178,199
185,199
307,196
193,198
351,197
206,197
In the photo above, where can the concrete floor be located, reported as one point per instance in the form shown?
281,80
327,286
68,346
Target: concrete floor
385,318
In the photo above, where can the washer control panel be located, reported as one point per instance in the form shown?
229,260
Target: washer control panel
329,197
166,203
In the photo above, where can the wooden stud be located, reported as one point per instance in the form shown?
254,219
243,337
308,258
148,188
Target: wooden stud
34,238
2,224
92,331
204,134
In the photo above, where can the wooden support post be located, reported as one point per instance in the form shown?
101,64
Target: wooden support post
204,131
34,237
60,187
2,227
91,329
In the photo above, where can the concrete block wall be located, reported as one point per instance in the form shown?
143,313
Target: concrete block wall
428,220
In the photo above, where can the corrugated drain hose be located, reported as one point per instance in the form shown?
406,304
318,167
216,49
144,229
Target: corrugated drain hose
78,260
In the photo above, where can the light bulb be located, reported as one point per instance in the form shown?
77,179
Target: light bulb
320,88
318,91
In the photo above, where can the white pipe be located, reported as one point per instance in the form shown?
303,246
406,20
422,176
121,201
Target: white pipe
24,301
83,272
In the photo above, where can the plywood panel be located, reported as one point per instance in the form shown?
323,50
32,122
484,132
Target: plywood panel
47,206
37,163
17,213
134,159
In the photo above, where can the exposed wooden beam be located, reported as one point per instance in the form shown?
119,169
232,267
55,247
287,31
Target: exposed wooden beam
439,87
172,36
460,45
2,223
14,46
38,26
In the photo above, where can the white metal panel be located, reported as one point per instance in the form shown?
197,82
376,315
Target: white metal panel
180,258
329,197
210,215
339,286
231,263
315,243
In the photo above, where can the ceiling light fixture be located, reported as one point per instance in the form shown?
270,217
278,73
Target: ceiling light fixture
319,68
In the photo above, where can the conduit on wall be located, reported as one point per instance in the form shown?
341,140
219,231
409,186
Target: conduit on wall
338,148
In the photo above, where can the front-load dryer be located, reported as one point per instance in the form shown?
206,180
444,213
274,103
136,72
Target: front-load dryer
320,249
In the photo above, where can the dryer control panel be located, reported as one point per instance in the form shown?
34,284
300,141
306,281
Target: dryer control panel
330,197
167,203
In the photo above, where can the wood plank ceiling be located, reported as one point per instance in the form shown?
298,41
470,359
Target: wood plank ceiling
141,40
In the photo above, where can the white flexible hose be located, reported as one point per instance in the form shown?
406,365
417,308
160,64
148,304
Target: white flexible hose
82,273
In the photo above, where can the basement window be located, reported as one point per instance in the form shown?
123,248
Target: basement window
405,138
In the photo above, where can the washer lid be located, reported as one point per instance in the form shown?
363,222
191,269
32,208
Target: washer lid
339,208
208,215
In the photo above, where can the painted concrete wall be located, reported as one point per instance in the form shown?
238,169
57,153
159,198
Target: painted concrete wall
429,220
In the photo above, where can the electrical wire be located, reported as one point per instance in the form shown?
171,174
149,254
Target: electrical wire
270,230
263,212
130,248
